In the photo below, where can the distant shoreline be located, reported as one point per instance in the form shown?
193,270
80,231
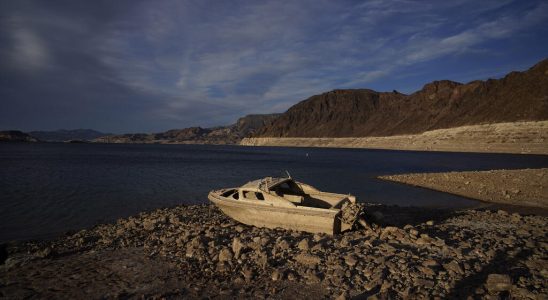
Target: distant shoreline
512,138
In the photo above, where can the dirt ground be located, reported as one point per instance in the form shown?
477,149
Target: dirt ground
525,187
516,137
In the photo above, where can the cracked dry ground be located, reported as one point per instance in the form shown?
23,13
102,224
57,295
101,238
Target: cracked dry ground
197,252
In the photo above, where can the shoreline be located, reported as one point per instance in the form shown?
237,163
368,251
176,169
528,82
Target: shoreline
511,138
518,187
196,251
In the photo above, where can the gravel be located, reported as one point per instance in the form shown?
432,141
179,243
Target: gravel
198,252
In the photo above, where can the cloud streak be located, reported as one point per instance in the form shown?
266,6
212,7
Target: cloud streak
151,66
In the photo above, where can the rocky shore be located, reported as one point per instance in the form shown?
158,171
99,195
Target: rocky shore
197,252
514,137
524,187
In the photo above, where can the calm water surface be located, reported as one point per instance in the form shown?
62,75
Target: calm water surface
47,189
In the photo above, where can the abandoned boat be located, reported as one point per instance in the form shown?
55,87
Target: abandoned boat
289,204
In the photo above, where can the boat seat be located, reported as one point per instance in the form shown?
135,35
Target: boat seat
294,198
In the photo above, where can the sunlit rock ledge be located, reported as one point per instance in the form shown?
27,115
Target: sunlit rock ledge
513,137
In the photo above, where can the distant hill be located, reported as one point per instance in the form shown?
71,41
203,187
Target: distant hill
63,135
231,134
519,96
15,136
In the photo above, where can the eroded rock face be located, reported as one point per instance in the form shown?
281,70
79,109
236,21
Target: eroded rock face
519,96
197,252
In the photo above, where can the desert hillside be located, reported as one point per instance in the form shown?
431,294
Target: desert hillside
231,134
511,137
63,135
519,96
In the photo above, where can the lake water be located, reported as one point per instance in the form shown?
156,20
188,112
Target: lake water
47,189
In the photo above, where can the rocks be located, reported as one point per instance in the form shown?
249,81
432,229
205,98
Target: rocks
454,267
343,296
430,263
277,275
304,244
424,283
424,240
314,277
216,256
46,252
307,259
426,271
389,231
130,224
196,248
225,254
282,244
291,276
498,283
262,260
351,260
237,247
248,274
149,224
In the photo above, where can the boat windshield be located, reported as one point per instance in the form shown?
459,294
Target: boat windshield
288,187
231,194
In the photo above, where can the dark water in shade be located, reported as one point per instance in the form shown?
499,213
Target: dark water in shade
47,189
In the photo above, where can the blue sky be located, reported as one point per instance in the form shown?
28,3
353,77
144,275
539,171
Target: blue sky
148,66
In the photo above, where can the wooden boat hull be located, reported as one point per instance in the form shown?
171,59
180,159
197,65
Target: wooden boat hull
315,220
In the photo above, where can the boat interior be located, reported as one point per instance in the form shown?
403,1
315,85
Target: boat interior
298,194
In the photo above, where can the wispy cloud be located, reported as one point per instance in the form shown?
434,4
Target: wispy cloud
28,51
430,44
149,66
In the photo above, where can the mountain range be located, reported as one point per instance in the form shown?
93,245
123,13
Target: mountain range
231,134
519,96
15,136
64,135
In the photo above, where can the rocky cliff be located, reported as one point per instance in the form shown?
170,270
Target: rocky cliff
15,136
519,96
231,134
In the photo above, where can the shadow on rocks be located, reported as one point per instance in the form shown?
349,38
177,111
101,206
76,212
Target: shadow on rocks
3,253
502,263
392,215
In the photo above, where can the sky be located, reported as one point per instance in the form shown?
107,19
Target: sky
152,65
